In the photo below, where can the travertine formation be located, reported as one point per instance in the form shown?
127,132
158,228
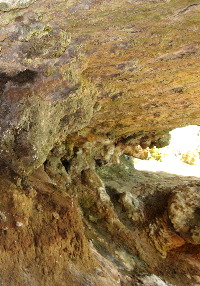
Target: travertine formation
81,84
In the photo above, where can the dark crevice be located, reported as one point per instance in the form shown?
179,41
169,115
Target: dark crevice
3,81
45,163
26,76
84,180
188,8
66,164
99,162
132,137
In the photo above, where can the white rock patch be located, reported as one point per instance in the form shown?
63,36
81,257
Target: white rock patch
7,5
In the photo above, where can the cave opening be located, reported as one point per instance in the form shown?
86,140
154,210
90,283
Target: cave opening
181,156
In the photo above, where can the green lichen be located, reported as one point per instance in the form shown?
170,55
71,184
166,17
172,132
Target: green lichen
44,44
3,6
17,4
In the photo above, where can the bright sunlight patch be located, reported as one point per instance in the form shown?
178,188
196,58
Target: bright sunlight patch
181,156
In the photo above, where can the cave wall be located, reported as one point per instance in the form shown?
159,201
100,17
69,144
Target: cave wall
81,83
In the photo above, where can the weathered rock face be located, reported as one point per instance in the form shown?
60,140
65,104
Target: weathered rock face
124,71
82,82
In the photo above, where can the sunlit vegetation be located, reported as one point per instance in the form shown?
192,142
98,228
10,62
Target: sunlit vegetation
181,156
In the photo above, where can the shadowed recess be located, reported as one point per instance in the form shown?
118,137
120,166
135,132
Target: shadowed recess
26,76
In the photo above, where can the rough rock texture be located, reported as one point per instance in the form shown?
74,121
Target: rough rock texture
82,82
7,5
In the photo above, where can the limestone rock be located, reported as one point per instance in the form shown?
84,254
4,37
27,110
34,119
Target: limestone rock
110,70
184,212
7,5
81,83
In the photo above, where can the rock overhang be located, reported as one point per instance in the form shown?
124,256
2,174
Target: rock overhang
82,83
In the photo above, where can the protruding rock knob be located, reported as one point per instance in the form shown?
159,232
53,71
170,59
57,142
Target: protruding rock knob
184,213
